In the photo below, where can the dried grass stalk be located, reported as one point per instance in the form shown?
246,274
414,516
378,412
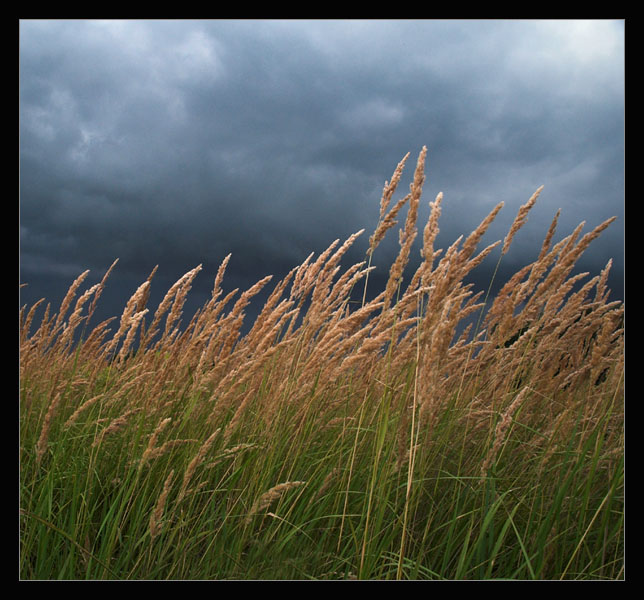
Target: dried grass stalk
266,499
82,408
115,425
520,219
152,442
69,296
156,517
501,430
194,463
41,446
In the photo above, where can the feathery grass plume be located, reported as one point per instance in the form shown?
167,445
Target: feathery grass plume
501,430
332,314
216,290
533,292
555,301
26,324
304,284
238,378
325,276
157,514
237,312
566,261
547,241
75,318
41,446
430,233
318,277
602,291
390,187
194,463
387,221
463,264
179,300
115,425
433,351
540,265
166,303
571,240
152,442
44,340
479,258
158,451
367,350
270,330
340,292
82,408
266,499
442,277
206,326
99,291
214,329
67,300
585,241
300,274
500,316
230,452
39,340
135,319
232,424
123,384
385,225
143,300
269,314
408,234
91,347
339,357
126,317
350,327
520,219
606,334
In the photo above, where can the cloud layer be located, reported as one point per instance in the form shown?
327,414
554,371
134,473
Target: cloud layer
177,142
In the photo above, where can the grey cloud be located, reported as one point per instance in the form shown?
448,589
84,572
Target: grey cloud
177,142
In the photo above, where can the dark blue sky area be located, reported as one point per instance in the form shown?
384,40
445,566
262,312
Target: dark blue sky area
174,143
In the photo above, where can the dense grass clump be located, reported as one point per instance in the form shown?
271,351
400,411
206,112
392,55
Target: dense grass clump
332,440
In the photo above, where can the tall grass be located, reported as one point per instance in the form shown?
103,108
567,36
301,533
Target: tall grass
332,441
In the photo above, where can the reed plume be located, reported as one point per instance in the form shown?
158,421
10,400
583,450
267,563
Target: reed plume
156,517
267,498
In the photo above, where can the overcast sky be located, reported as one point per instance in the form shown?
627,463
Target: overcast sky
176,142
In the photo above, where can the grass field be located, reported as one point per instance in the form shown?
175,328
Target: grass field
332,440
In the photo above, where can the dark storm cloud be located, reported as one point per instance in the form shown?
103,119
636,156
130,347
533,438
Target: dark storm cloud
177,142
